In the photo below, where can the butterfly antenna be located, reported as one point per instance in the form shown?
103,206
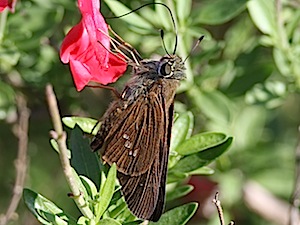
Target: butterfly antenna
163,41
195,46
155,3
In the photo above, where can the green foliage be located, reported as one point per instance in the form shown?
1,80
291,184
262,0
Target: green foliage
44,210
178,216
220,11
179,192
106,192
104,199
192,162
83,160
242,81
86,124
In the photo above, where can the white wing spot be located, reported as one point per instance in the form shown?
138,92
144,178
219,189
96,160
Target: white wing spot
128,144
126,136
135,152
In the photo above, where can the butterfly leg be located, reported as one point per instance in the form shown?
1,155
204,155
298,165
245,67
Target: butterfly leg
114,90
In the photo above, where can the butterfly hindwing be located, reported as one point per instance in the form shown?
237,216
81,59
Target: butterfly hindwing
149,188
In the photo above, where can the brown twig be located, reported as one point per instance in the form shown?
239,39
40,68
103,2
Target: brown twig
217,203
295,3
21,161
60,136
294,217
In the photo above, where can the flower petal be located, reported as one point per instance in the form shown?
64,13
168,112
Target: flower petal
115,69
75,40
81,74
86,48
8,3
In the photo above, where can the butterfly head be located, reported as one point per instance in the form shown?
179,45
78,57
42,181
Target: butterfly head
171,67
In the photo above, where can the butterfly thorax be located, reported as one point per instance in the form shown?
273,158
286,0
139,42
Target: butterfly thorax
147,73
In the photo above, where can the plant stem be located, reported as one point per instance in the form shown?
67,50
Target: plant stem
3,18
21,161
60,136
217,203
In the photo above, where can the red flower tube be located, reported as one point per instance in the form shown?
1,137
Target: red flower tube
89,60
8,3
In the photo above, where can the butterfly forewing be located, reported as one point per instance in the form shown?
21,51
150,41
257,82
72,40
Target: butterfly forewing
133,144
145,193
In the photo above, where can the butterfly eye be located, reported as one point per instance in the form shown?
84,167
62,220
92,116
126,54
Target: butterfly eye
165,69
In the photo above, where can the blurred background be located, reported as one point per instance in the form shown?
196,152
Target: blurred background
243,80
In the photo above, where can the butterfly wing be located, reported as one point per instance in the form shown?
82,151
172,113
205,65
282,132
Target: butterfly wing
145,194
164,156
138,141
133,144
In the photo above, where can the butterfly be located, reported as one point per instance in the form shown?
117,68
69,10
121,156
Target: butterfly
136,131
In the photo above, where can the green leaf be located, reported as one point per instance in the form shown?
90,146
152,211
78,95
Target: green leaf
292,26
216,70
126,215
7,97
255,126
83,159
177,216
175,176
117,195
88,125
214,104
271,93
220,11
108,221
282,62
136,222
214,152
183,9
54,145
83,221
45,210
202,171
150,15
240,37
195,161
81,186
89,186
133,18
119,208
182,129
244,79
179,192
201,142
164,16
9,57
106,192
263,15
88,204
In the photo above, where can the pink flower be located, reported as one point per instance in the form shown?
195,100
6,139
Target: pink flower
89,60
8,3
